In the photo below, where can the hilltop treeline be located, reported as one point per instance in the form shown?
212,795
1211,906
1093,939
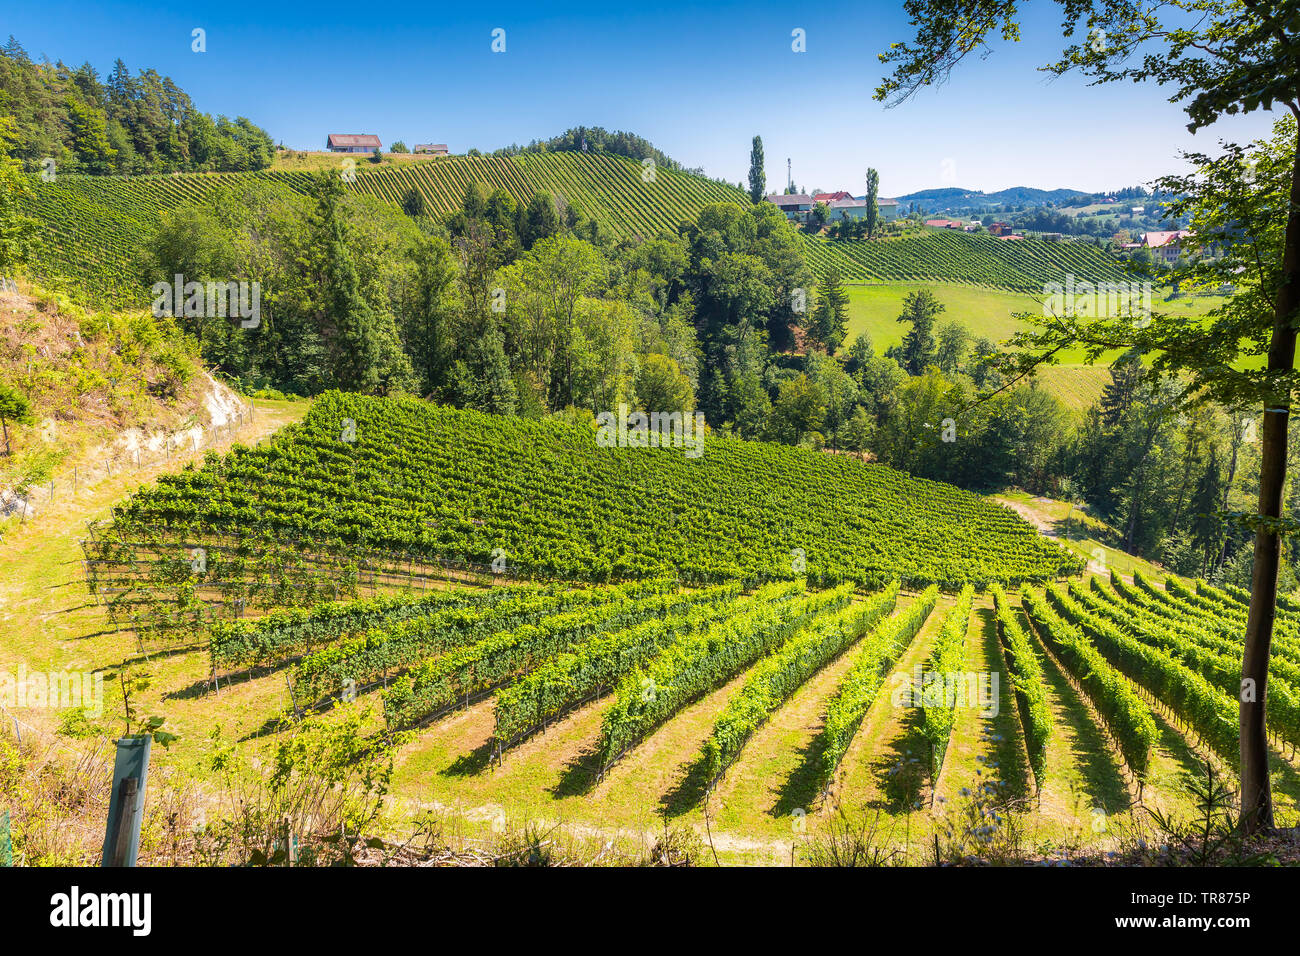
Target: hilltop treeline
121,124
598,140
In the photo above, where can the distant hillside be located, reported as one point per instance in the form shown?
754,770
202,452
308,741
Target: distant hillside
951,199
1021,265
91,228
597,139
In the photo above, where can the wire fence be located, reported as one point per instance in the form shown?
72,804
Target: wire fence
29,495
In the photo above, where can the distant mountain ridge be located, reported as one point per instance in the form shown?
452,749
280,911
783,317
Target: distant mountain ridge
952,197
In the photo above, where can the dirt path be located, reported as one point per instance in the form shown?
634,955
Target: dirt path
1033,516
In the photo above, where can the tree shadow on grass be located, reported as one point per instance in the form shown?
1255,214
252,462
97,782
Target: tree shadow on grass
472,763
902,769
580,776
690,790
1190,763
803,787
1286,780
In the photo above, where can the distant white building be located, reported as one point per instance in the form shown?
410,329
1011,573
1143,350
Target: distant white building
434,149
844,209
842,206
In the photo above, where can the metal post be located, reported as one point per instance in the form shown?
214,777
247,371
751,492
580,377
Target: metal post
126,804
6,842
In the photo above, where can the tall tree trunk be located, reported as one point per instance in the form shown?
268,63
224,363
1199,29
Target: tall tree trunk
1256,797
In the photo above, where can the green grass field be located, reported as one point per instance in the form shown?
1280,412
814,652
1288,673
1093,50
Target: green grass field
991,313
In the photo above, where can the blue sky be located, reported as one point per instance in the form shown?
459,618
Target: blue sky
697,83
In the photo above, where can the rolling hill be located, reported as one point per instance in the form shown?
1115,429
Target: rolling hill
952,198
364,481
92,229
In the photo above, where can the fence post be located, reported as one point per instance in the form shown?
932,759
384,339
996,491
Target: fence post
126,805
6,842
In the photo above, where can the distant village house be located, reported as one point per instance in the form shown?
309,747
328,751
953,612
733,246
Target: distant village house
352,143
796,206
1166,246
842,206
434,149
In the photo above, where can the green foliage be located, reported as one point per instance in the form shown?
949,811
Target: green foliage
661,386
1026,675
123,124
1193,699
540,220
15,409
918,351
596,140
830,315
596,665
947,255
1127,717
370,655
440,682
774,679
799,412
17,231
872,660
691,667
1195,639
757,173
413,203
947,661
276,636
873,209
571,509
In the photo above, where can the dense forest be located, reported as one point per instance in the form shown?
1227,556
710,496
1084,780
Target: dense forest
122,124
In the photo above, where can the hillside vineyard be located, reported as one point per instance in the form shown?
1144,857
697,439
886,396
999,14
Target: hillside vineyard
543,500
91,228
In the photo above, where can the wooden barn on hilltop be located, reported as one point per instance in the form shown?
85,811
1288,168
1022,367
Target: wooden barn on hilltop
352,143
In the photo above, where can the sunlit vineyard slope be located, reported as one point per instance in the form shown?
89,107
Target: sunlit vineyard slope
542,499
